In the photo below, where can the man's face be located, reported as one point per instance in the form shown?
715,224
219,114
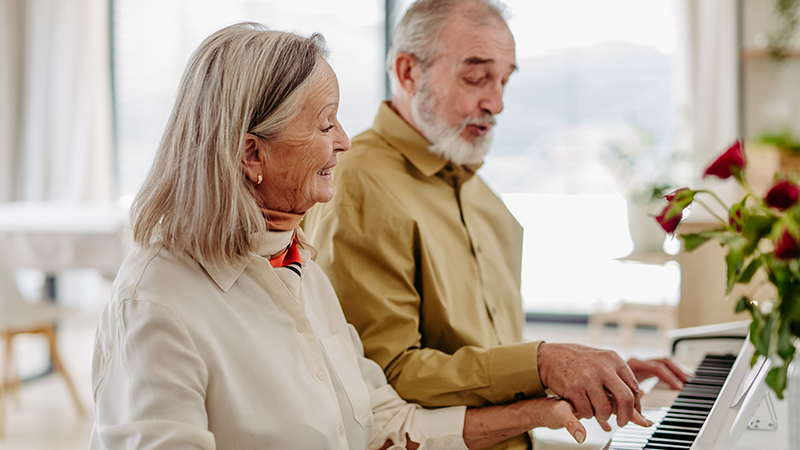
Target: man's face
462,90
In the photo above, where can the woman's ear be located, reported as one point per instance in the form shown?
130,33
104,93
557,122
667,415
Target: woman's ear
254,157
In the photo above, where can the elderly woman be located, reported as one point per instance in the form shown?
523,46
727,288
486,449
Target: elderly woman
221,331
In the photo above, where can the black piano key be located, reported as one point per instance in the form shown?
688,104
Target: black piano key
677,427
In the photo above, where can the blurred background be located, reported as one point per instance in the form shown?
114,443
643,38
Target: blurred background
615,101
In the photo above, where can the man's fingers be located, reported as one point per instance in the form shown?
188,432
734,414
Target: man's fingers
582,405
625,399
666,375
639,419
601,404
683,376
603,424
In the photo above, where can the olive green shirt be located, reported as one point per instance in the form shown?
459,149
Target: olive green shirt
426,262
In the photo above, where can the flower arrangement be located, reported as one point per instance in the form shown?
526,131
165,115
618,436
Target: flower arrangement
760,233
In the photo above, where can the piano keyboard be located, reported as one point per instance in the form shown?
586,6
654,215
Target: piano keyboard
676,427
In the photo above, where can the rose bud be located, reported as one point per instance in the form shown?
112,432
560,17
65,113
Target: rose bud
671,216
786,246
669,220
783,195
680,193
730,163
735,221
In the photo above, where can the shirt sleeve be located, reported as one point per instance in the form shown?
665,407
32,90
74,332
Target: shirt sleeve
366,257
394,419
149,382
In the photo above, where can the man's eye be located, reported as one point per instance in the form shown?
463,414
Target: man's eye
326,129
473,81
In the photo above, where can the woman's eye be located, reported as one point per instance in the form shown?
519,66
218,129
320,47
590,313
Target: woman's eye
326,129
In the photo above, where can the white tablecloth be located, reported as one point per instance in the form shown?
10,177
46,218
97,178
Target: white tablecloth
50,236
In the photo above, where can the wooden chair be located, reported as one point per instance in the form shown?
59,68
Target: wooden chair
18,316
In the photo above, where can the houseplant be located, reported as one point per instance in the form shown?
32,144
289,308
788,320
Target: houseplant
759,233
644,168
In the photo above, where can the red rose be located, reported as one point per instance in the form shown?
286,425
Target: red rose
786,246
730,163
783,195
669,220
671,216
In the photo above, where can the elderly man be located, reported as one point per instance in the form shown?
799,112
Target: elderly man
425,258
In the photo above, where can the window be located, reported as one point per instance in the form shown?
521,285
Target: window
153,40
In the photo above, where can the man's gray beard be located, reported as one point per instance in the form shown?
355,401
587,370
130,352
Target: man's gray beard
446,140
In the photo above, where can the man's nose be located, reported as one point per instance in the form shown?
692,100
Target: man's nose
492,101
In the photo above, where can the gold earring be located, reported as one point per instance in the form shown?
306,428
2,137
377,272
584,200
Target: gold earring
259,180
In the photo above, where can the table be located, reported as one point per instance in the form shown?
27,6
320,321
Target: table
51,236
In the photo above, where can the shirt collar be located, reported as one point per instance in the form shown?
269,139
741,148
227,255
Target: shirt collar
271,242
415,148
406,140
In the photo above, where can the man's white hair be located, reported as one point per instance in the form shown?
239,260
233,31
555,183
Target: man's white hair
418,31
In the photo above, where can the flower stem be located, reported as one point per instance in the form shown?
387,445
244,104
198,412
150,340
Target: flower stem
710,211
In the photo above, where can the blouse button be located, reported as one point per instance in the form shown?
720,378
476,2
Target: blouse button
429,442
321,375
448,441
301,327
519,395
341,430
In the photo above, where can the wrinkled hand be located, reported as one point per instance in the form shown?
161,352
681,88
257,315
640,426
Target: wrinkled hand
664,368
554,413
410,445
597,382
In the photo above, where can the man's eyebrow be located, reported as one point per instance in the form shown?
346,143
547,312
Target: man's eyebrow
475,61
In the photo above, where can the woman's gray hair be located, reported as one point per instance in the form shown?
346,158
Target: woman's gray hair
418,31
196,199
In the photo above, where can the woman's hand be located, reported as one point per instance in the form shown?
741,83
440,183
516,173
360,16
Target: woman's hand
486,426
554,413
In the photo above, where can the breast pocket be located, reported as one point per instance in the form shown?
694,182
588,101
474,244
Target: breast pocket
342,355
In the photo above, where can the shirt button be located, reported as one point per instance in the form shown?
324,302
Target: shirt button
493,309
519,395
429,442
341,430
301,327
448,441
321,375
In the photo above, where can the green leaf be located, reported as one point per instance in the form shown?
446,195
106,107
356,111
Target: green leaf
785,343
743,304
750,270
735,261
776,379
757,226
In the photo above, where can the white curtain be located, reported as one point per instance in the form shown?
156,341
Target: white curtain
55,101
708,71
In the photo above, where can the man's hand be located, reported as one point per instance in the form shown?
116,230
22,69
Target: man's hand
664,368
597,382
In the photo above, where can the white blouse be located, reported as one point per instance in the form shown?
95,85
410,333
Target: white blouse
251,357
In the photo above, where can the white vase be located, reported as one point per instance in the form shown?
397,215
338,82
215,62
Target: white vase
646,233
793,397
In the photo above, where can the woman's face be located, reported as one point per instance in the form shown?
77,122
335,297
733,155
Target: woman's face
297,167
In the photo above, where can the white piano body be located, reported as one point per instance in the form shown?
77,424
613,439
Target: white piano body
756,421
